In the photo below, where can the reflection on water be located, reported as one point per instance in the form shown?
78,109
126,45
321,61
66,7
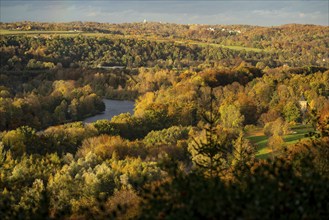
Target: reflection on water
112,108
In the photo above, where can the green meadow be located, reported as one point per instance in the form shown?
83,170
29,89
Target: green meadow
258,138
18,32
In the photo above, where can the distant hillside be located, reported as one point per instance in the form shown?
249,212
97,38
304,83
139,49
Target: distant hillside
309,42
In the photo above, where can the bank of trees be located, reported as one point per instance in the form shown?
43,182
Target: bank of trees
41,53
293,44
62,102
107,176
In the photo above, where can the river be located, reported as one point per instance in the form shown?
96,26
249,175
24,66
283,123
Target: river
112,108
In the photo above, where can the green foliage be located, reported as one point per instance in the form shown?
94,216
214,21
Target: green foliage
107,147
267,186
20,141
291,112
169,136
34,65
276,128
41,107
244,38
171,142
30,204
230,116
218,149
243,151
105,127
2,153
129,126
23,183
66,138
15,141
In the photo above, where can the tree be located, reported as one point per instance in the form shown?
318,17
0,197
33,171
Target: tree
243,151
216,150
277,127
291,112
274,131
105,127
32,201
230,116
60,112
104,146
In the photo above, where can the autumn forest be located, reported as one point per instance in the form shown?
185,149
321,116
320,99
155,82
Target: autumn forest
229,121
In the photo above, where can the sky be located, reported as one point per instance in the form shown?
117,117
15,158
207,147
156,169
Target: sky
257,12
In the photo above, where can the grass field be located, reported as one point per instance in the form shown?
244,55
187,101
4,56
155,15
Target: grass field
230,47
243,48
258,138
18,32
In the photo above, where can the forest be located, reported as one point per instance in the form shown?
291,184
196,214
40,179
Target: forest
230,121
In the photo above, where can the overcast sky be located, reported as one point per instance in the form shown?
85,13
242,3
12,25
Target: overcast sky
261,12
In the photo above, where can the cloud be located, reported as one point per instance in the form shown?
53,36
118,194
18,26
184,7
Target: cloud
175,11
285,15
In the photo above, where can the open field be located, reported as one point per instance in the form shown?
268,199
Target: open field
229,47
258,138
19,32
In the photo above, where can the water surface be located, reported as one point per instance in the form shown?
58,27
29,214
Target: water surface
112,108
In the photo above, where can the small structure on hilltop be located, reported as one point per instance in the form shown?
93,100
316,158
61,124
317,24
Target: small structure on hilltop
303,104
303,107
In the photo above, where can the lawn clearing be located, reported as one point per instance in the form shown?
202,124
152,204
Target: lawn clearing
258,138
19,32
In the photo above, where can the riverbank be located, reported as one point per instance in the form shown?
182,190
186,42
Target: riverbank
112,108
